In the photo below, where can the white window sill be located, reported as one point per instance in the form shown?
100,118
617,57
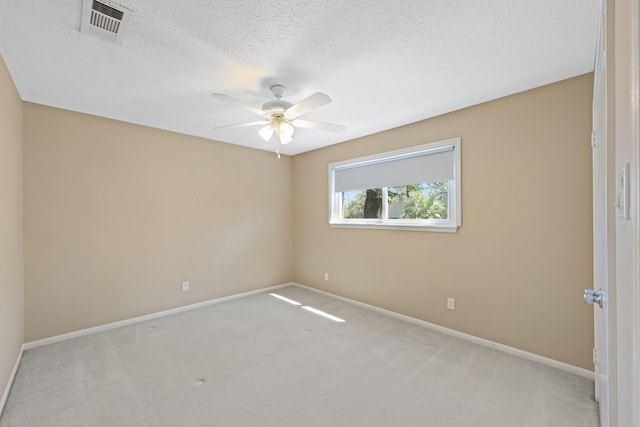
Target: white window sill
400,227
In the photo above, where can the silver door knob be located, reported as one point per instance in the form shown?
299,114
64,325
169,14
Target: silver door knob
594,297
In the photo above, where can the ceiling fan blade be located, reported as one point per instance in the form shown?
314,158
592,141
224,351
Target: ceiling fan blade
230,100
329,127
241,125
310,103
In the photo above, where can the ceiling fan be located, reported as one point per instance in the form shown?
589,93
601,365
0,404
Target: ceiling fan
281,117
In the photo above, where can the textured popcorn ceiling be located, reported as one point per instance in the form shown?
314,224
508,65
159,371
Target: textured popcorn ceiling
385,63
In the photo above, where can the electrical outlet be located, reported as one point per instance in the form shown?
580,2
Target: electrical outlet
451,304
185,286
326,276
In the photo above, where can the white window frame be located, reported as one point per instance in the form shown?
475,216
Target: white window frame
449,225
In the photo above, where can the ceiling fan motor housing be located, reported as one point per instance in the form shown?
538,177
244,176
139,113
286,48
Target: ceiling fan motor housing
276,106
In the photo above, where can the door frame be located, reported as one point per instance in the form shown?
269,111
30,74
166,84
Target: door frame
624,65
623,135
634,106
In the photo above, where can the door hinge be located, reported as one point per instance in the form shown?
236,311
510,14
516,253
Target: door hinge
595,356
593,139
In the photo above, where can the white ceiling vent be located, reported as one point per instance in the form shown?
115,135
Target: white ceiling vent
104,19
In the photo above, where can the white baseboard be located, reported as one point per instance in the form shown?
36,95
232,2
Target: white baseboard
452,332
108,326
12,376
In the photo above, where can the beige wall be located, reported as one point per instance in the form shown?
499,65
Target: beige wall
519,264
118,215
11,268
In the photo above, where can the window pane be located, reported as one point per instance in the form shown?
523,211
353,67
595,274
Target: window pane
362,203
427,200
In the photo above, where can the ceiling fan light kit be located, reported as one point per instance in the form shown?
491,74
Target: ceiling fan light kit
281,117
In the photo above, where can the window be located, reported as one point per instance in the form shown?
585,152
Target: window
415,188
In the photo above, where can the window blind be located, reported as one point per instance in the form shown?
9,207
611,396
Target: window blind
429,166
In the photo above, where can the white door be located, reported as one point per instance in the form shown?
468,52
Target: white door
602,223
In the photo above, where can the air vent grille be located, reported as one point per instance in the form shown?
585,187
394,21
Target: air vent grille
104,22
107,10
104,19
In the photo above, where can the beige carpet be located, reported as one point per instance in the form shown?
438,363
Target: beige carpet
261,361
